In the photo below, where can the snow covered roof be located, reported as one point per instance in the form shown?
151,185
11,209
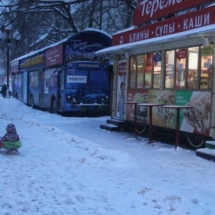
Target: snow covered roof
96,30
39,50
122,48
58,43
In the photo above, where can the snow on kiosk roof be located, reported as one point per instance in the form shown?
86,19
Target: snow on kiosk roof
178,36
193,24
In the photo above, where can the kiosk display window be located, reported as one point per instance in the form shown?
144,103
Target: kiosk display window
193,62
133,66
180,69
170,68
140,70
145,71
157,69
206,67
184,68
148,70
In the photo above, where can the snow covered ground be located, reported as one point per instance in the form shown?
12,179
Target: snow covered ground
69,165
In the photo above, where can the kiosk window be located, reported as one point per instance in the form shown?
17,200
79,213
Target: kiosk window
206,67
169,69
193,62
133,67
157,70
184,68
145,71
181,58
140,70
148,70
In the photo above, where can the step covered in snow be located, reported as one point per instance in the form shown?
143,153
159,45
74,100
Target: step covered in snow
206,153
110,127
210,144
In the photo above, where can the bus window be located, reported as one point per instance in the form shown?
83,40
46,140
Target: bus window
169,69
99,79
34,76
18,80
54,78
76,79
193,62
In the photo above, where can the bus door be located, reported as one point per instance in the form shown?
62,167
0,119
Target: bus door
60,88
25,87
41,88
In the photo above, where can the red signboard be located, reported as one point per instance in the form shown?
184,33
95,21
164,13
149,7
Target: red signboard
181,54
147,10
122,68
54,56
174,25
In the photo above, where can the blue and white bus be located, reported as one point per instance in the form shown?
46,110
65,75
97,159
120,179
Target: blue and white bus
66,77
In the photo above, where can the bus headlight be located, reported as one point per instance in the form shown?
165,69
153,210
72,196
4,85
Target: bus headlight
68,98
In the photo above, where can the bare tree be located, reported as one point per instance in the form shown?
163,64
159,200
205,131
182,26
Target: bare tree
43,22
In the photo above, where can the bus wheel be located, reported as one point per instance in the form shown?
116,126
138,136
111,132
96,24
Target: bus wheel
32,102
54,106
195,141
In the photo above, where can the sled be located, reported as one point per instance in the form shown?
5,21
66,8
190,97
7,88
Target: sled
11,146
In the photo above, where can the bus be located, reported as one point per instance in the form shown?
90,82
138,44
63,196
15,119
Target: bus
66,77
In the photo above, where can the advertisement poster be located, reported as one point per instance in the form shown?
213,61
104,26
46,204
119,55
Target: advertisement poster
161,116
140,96
194,120
121,89
197,119
54,56
83,45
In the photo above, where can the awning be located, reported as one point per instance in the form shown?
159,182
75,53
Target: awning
202,31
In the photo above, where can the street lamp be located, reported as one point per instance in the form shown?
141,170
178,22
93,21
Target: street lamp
8,40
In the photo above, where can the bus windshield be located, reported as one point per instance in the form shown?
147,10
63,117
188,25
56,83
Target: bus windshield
86,79
99,79
77,79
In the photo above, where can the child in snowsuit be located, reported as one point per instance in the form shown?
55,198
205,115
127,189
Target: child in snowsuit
11,139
